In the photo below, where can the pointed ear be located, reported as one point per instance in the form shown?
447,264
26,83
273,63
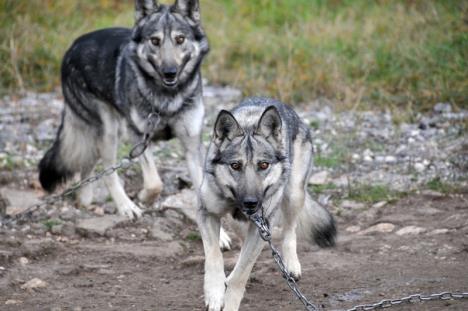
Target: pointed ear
144,8
269,123
189,8
226,126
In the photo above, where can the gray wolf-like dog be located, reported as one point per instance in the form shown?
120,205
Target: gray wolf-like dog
112,79
259,161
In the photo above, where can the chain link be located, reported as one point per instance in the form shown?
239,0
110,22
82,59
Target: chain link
265,233
137,150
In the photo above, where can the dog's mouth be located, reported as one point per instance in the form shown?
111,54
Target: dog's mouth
172,82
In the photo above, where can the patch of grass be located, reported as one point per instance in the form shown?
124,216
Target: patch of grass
318,189
193,236
438,185
373,193
49,223
360,53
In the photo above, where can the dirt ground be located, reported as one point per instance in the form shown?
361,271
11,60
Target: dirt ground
118,273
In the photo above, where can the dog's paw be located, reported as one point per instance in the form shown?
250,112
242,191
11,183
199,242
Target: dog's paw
294,267
132,211
214,301
224,240
148,196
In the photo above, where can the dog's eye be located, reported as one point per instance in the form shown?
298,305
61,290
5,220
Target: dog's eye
263,165
180,39
236,166
155,41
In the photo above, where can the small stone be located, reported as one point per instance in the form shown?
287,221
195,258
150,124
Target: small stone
410,230
99,225
353,229
442,108
23,261
390,159
382,228
420,167
99,211
439,231
320,178
368,159
347,204
34,284
380,204
13,302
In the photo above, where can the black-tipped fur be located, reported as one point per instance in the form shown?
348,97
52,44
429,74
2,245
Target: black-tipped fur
51,173
326,236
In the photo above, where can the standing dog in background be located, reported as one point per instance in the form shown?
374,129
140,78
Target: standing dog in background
118,75
259,161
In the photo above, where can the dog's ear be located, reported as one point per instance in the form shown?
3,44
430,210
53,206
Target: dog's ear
226,126
144,8
189,8
270,123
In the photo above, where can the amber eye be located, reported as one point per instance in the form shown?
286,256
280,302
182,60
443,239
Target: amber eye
155,41
263,165
236,166
180,39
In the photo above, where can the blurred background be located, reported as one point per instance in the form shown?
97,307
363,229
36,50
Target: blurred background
397,54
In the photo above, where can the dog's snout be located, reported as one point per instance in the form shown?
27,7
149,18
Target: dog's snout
250,203
170,73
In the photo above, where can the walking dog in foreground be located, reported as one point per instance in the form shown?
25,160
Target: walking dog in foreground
112,79
259,161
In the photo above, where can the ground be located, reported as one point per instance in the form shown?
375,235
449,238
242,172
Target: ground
401,231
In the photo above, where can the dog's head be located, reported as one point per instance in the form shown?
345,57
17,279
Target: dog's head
169,41
248,162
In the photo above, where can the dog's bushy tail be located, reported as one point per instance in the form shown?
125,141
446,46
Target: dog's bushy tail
316,224
52,171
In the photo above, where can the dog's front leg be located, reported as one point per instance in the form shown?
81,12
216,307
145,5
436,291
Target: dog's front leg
238,278
214,283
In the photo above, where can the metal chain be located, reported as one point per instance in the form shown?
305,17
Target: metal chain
264,230
151,122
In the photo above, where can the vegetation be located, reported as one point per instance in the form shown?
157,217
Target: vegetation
373,193
396,54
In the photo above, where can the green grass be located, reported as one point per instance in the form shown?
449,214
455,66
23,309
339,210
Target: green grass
438,185
359,53
373,193
193,236
50,223
318,189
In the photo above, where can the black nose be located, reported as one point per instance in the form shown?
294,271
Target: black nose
250,203
169,73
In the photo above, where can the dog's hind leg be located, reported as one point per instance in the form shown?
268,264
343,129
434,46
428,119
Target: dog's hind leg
108,152
152,183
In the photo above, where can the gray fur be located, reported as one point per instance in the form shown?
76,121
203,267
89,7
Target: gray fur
112,79
259,161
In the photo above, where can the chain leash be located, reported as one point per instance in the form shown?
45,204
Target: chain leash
128,161
265,233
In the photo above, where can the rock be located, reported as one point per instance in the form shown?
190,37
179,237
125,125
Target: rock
320,178
443,108
432,193
439,231
353,229
381,228
34,284
410,230
99,211
419,167
19,200
192,261
184,201
347,204
99,225
380,204
23,261
162,230
13,302
390,159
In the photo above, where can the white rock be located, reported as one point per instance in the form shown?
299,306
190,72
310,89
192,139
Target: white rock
353,229
380,204
347,204
34,284
13,302
410,230
390,159
439,231
23,261
319,178
420,167
382,228
368,158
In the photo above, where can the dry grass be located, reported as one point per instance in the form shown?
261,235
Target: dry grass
398,54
